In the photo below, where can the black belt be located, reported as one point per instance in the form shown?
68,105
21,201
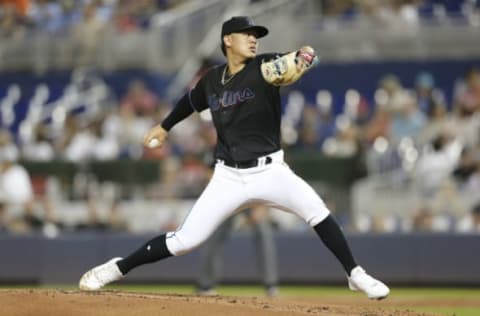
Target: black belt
245,164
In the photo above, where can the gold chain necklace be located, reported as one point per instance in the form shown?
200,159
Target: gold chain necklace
227,80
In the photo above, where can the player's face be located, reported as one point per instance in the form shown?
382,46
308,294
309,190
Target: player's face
243,44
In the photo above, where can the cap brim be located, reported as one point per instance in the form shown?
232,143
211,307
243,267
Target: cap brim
261,31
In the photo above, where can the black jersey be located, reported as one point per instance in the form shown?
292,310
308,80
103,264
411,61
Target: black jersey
245,109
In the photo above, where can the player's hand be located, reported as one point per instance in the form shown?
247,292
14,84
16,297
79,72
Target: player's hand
155,137
305,58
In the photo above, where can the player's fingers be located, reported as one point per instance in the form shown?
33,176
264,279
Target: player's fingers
301,64
148,137
155,137
307,49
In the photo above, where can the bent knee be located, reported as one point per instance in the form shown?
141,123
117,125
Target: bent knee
317,216
178,244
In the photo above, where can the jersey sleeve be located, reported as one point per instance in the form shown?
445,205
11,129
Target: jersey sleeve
181,110
196,96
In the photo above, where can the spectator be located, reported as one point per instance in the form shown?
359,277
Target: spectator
21,7
87,34
64,134
44,187
467,109
471,222
12,23
398,15
407,119
104,10
71,15
429,98
106,146
326,119
124,17
466,167
139,100
378,126
309,129
41,149
91,143
79,149
16,196
467,175
47,16
440,121
467,99
145,10
192,177
436,164
393,88
345,143
133,129
7,146
337,8
426,221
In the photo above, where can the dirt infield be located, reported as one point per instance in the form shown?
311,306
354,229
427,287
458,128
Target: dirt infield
109,303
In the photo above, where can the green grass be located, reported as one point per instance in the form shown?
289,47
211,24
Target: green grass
457,311
337,291
340,291
468,294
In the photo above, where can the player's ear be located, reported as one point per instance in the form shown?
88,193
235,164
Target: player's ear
227,40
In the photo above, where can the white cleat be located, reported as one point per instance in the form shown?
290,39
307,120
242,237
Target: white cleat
96,278
207,292
272,291
359,280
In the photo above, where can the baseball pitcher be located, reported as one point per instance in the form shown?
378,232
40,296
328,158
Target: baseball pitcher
243,98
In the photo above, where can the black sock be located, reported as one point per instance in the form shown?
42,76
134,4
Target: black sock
333,237
154,250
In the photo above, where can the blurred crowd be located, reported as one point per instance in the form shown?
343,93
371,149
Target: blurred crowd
408,137
392,10
413,133
76,29
18,17
428,141
109,131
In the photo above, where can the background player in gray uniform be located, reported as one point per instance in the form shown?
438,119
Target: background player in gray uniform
261,226
244,100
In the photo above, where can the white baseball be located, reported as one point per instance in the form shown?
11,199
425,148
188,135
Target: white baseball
153,143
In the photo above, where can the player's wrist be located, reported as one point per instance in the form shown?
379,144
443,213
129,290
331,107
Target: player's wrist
163,125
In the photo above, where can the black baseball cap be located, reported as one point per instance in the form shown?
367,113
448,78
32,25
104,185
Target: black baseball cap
238,24
242,23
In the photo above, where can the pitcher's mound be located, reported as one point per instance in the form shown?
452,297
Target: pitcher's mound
36,302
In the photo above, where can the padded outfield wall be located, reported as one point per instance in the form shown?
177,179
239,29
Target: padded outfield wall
410,259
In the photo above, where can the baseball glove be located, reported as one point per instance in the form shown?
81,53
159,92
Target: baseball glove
288,68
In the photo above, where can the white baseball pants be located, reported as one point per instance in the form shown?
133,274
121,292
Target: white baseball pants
231,190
